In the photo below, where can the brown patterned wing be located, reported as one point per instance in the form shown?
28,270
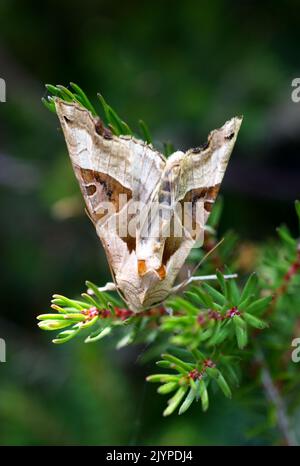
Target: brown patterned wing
201,173
107,165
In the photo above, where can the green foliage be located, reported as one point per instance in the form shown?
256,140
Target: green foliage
214,315
97,311
190,381
205,330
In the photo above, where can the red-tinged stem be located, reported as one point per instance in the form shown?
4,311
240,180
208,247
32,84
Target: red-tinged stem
195,374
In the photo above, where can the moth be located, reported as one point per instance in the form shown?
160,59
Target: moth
116,173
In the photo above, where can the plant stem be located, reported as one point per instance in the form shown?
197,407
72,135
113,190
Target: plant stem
274,396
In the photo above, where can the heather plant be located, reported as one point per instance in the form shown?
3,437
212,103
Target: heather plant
231,335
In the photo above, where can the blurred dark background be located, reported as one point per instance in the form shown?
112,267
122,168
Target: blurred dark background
185,68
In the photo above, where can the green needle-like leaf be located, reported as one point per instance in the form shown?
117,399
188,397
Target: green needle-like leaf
175,401
167,388
216,295
49,104
223,385
254,321
168,149
259,305
145,132
187,402
98,335
240,331
65,336
203,395
249,288
53,324
83,98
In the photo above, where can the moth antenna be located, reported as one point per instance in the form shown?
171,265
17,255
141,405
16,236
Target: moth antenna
191,272
206,256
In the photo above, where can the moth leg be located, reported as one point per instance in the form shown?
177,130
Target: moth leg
110,286
198,279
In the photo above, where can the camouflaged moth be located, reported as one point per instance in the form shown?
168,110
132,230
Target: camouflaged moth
118,173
